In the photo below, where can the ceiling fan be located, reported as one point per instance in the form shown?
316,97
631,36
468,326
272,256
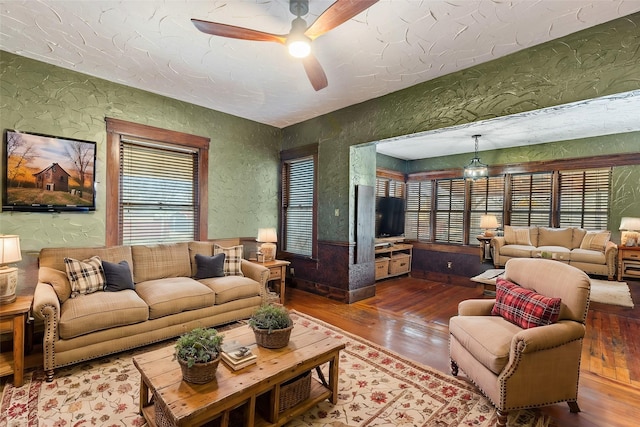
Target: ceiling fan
300,36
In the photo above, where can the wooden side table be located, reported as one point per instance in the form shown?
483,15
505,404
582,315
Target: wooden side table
484,241
277,272
13,317
628,261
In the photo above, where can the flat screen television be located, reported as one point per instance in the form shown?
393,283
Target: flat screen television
46,173
390,213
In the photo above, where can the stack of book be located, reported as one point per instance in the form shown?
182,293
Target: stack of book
237,357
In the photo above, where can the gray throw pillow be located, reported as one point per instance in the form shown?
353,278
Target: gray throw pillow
209,266
118,276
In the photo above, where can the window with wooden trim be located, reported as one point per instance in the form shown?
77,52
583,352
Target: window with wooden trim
487,197
417,224
298,213
450,198
531,195
156,185
584,198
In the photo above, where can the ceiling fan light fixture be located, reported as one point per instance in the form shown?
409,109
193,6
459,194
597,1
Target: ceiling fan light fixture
298,43
476,169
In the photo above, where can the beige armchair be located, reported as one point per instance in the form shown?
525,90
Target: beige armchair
523,368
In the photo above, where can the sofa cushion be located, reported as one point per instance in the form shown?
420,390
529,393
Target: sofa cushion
58,280
117,276
198,247
578,235
232,259
86,276
101,310
517,236
230,288
54,257
595,240
152,262
524,307
487,338
209,266
555,237
174,295
588,256
520,251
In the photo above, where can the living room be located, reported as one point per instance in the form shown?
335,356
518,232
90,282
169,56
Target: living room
244,155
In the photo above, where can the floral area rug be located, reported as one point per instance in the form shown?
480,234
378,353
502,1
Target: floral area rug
376,388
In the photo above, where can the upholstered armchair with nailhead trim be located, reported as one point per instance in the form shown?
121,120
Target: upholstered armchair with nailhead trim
524,367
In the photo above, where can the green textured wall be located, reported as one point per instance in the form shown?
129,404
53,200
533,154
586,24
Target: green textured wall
599,61
243,157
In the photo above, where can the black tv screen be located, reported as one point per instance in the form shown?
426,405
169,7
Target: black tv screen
48,173
390,211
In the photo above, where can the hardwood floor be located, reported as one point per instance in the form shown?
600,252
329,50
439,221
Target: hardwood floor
411,316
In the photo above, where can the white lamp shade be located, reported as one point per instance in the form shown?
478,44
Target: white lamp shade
630,223
488,221
9,249
267,235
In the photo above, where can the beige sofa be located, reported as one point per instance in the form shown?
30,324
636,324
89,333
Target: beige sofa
166,300
590,251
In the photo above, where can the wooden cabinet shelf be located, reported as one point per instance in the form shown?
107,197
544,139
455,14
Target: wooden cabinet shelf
628,262
393,260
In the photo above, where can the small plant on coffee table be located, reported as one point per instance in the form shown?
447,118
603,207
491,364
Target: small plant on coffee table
198,353
272,326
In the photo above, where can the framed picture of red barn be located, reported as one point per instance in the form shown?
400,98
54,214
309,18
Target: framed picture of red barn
48,173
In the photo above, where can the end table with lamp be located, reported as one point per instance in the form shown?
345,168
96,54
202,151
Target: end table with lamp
278,273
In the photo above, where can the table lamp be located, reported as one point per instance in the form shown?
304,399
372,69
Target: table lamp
268,237
488,223
630,227
9,253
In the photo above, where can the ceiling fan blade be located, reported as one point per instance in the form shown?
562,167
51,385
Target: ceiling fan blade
338,13
314,71
234,32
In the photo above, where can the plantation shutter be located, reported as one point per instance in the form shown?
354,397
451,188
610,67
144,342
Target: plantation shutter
418,214
450,210
158,193
487,197
584,198
297,199
531,199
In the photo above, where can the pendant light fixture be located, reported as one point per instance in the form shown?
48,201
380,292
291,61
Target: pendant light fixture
476,169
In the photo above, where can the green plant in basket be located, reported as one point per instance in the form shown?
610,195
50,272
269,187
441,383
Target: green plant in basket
271,317
200,345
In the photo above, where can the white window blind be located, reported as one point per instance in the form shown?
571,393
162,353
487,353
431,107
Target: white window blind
531,199
450,210
487,197
297,203
584,198
158,193
417,224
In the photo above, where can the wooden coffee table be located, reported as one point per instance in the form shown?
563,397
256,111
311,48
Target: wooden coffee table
252,392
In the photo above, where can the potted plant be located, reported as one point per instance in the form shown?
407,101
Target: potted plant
272,326
198,353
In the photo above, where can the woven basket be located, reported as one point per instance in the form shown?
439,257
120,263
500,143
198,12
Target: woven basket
295,391
277,338
199,373
162,418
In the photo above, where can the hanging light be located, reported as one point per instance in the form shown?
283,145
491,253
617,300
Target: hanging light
476,169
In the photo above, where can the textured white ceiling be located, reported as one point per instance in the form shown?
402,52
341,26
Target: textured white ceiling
152,45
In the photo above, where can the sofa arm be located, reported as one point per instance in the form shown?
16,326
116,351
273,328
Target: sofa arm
46,306
476,307
611,258
546,337
496,243
257,272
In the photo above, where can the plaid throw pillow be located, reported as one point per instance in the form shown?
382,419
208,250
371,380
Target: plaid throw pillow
524,307
232,259
86,276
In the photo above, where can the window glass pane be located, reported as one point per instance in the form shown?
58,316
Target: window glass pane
158,200
418,214
298,206
487,197
531,199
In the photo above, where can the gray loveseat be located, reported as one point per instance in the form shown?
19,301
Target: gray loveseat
166,300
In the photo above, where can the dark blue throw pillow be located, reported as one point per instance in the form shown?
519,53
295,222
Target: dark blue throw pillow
209,266
118,276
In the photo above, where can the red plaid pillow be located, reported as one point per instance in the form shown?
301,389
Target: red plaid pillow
524,307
